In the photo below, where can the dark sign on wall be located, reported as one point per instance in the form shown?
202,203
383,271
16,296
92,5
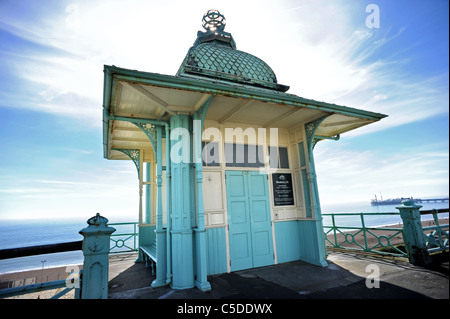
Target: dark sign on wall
282,189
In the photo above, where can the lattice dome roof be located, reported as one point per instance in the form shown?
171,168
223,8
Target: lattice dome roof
214,55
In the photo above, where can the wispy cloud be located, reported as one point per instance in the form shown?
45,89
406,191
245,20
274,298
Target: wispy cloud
349,175
322,49
317,48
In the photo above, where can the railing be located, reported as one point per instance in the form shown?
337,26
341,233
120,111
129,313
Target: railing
437,237
379,240
92,281
125,241
68,283
385,240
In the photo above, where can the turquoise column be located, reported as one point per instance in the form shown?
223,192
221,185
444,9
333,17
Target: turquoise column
183,202
148,192
96,244
201,281
312,196
160,232
413,234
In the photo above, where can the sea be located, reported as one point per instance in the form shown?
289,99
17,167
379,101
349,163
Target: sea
23,233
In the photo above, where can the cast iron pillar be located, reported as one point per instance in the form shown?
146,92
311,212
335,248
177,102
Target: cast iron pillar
312,202
201,275
183,202
161,250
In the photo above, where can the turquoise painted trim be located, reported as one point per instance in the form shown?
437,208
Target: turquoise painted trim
159,209
107,87
216,248
148,193
307,193
201,112
168,206
301,149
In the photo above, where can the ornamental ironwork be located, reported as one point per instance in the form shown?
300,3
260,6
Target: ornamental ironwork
213,20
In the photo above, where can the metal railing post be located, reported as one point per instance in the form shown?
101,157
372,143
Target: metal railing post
363,225
413,235
94,284
334,231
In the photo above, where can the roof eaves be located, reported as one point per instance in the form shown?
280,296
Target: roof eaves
235,90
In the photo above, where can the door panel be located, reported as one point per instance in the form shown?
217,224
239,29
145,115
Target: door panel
261,225
249,220
240,214
239,221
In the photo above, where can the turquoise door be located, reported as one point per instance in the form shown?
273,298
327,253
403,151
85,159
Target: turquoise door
250,230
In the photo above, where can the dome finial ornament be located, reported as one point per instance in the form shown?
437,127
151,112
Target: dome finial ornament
213,20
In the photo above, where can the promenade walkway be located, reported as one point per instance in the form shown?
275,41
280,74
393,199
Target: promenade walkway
347,276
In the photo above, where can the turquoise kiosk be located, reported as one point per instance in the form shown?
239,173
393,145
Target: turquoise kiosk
224,158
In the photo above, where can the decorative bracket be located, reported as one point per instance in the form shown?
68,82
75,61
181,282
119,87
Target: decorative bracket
310,129
150,131
133,154
200,114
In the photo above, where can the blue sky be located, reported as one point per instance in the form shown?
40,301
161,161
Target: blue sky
52,55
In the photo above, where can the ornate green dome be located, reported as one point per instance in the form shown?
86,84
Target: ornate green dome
214,56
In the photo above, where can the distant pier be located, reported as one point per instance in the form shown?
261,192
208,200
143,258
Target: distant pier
397,201
431,200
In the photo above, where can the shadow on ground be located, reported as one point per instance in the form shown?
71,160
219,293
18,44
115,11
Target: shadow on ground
292,280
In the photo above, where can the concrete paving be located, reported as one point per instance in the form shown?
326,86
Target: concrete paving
348,276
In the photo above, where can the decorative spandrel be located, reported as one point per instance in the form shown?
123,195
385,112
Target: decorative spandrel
133,154
150,131
310,130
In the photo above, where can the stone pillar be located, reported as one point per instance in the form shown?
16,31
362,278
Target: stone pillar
413,235
96,241
183,202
